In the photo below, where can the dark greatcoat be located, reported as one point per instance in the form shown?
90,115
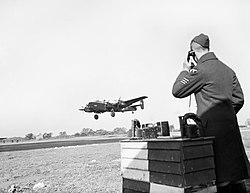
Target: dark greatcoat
219,97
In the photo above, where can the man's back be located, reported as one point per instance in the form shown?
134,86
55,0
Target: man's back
217,80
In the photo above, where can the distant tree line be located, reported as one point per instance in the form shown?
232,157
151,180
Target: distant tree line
83,132
31,136
91,132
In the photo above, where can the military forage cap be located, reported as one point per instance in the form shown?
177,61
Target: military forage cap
202,39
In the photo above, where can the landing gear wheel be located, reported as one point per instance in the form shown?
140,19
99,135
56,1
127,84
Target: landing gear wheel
96,117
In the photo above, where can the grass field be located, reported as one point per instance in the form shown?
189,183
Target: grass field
85,168
88,168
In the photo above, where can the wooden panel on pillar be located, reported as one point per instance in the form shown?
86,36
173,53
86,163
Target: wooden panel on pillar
139,175
139,164
130,185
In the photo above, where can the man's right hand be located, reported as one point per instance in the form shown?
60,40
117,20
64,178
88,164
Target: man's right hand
186,65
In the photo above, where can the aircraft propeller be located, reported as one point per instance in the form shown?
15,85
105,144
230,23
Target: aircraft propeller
82,109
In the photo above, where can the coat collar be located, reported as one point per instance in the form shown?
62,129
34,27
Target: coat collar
207,56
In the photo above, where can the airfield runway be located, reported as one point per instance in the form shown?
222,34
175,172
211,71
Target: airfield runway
59,143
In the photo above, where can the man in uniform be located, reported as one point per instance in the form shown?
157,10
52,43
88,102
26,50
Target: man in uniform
219,98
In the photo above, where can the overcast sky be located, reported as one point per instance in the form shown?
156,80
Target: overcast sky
57,55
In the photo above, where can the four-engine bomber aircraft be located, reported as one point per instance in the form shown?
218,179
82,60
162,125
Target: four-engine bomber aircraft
120,106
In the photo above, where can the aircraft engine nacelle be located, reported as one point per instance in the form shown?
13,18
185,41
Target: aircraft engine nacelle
132,108
142,104
112,113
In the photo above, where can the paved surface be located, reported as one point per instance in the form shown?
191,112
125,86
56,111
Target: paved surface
57,143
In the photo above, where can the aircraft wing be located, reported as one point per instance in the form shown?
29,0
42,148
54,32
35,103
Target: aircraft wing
130,102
